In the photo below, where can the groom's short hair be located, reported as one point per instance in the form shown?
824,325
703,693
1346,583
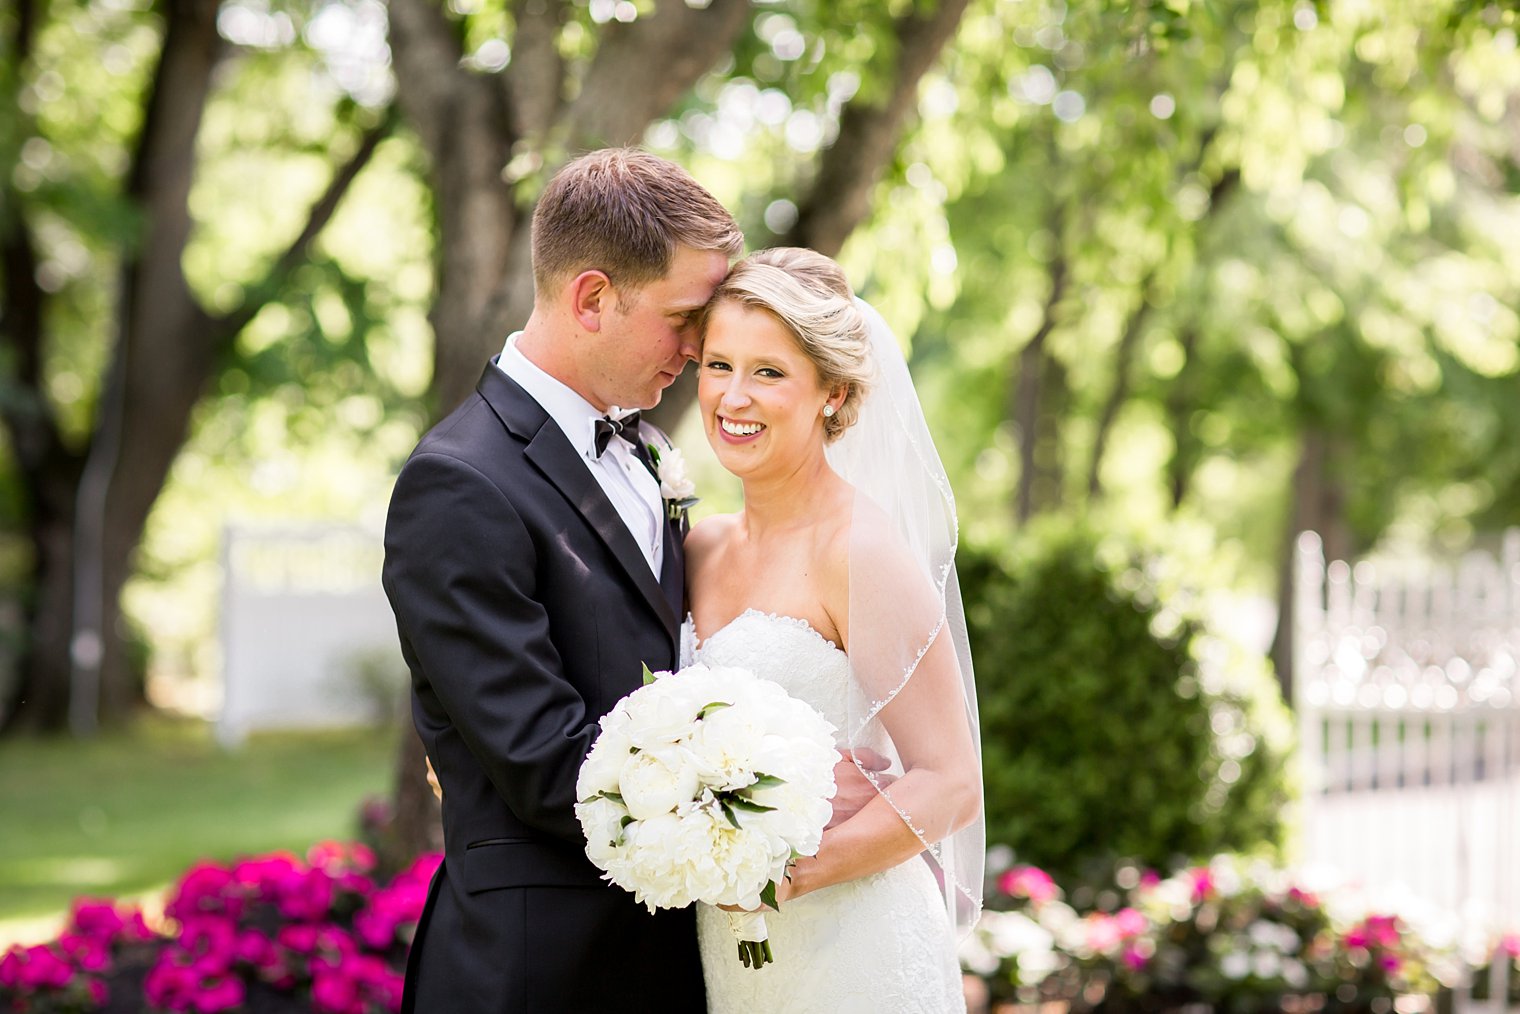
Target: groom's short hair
624,211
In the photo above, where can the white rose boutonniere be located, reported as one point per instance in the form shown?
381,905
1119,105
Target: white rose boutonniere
676,488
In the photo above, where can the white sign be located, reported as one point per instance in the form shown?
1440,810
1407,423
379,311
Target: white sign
308,639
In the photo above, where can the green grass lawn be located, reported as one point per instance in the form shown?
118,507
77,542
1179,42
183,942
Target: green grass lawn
128,812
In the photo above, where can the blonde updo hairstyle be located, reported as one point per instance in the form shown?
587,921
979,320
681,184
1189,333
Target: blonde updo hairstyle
809,294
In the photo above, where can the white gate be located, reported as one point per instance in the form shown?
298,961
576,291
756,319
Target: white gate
1408,701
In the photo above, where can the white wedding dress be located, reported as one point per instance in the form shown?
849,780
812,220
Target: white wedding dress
878,945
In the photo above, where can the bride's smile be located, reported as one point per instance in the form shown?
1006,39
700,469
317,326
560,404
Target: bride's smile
761,397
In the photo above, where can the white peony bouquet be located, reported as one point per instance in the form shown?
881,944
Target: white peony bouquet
704,785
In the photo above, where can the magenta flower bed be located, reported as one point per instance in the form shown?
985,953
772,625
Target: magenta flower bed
262,935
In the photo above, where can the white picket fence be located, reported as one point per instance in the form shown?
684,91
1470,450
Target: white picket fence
1408,699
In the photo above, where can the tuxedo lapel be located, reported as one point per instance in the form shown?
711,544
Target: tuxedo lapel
672,576
552,454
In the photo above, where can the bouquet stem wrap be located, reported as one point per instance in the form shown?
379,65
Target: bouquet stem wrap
754,940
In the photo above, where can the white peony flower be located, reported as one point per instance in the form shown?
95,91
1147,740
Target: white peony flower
655,782
602,820
603,764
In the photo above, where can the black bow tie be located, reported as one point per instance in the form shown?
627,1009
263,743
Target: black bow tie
607,428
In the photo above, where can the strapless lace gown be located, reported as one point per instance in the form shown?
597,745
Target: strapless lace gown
881,944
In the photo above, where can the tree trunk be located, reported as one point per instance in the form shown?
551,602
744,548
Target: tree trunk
1317,504
1036,422
87,511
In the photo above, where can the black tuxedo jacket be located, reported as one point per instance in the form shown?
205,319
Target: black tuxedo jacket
525,609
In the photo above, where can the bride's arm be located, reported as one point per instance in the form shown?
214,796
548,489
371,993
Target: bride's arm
940,788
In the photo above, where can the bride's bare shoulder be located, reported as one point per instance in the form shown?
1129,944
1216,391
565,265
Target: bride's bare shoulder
708,536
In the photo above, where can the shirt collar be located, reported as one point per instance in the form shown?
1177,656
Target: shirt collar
575,416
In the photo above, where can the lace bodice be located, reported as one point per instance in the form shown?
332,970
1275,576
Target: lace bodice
879,943
783,649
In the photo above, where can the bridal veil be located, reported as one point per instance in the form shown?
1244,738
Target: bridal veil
910,660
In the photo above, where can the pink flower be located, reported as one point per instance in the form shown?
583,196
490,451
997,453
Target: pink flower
1203,883
98,919
43,968
1390,962
301,939
1028,882
1150,878
1130,923
1383,930
334,940
1103,932
376,929
222,994
305,896
335,993
1510,944
1304,898
212,941
257,950
205,889
99,994
1135,958
90,954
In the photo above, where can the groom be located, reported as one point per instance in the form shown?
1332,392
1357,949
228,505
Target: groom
533,568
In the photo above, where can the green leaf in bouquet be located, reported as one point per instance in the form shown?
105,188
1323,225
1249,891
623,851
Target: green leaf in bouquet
708,709
768,895
728,811
649,677
747,805
766,782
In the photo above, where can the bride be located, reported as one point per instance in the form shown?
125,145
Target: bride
837,581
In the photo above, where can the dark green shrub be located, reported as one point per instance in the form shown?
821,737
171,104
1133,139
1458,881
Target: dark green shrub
1103,736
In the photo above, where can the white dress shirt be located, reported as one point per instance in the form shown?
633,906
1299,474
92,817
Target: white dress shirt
634,493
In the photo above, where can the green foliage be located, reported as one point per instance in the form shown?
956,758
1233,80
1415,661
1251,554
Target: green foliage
1105,730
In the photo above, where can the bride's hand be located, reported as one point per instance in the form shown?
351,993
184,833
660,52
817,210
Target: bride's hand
784,891
432,779
853,789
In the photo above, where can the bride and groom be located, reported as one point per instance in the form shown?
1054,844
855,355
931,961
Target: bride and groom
537,555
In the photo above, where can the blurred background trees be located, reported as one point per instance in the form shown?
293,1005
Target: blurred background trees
1201,274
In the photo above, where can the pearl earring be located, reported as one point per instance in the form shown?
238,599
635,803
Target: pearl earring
828,410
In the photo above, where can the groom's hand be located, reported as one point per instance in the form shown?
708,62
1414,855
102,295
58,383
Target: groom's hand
853,789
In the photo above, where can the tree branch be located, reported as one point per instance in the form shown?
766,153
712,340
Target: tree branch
534,81
430,83
226,327
643,66
1026,409
840,197
1179,400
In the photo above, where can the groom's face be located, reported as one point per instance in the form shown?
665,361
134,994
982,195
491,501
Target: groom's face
649,335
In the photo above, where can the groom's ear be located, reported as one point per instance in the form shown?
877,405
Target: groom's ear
591,295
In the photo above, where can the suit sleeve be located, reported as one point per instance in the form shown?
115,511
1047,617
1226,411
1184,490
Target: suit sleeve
460,575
